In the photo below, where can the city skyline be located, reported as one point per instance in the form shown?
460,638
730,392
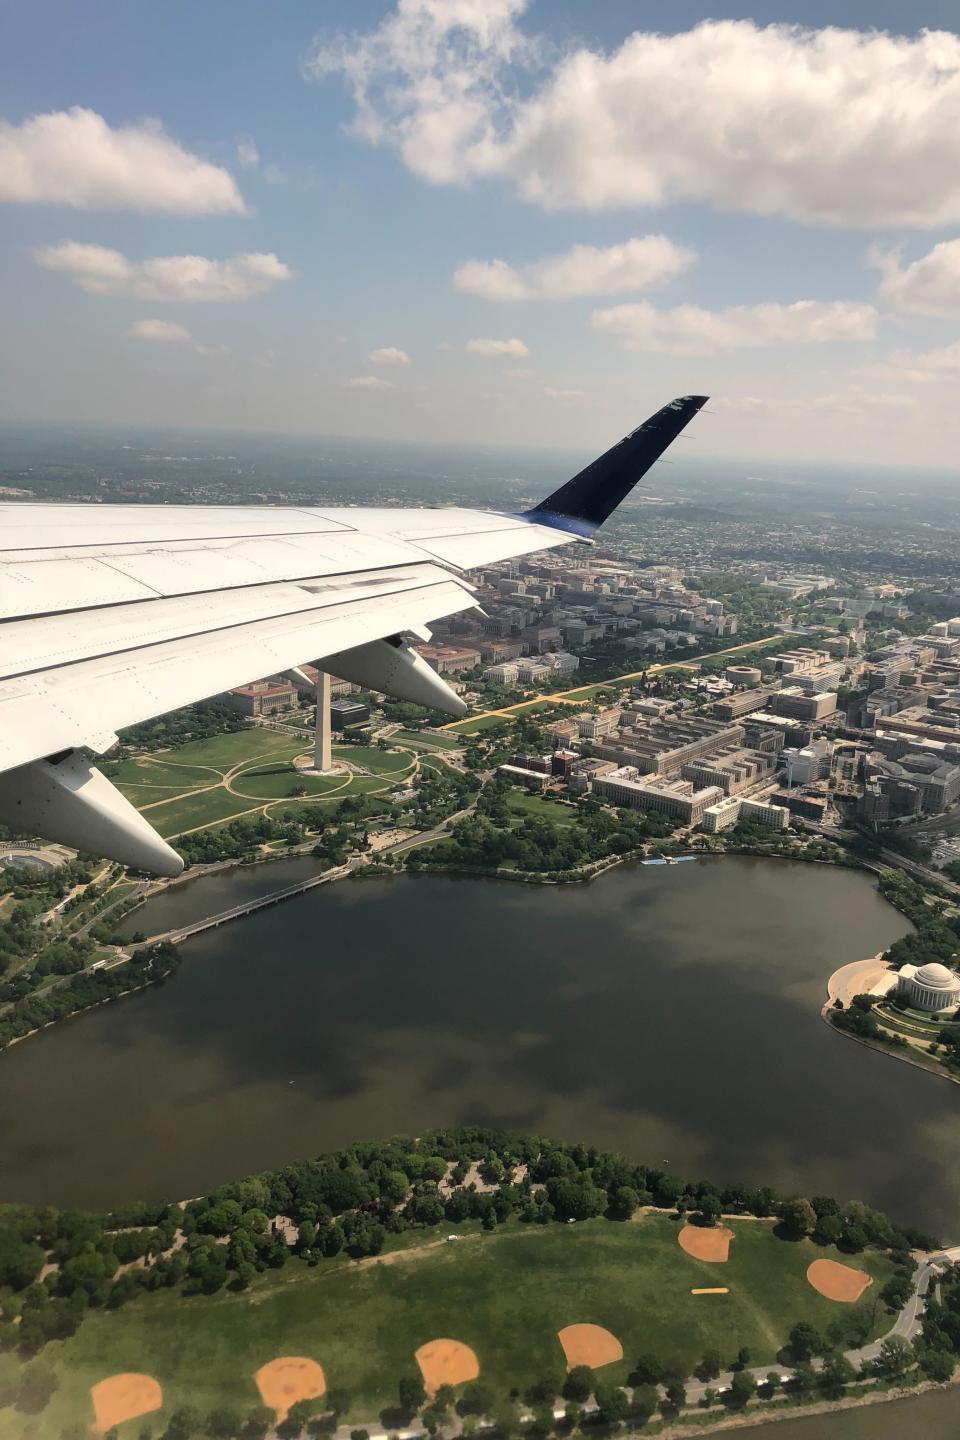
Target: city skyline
457,222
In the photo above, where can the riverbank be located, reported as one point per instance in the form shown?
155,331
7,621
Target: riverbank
777,1414
355,1295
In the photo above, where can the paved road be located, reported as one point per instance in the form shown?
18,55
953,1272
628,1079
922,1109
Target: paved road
290,892
906,1326
577,697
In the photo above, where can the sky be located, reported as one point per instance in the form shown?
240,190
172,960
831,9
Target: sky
527,222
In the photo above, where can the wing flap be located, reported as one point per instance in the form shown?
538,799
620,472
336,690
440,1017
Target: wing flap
64,707
45,641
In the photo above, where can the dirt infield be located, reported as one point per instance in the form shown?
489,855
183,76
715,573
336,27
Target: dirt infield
123,1397
284,1381
706,1242
836,1281
446,1362
589,1345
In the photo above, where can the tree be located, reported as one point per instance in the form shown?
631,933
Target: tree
223,1424
37,1384
667,1192
799,1217
257,1423
743,1358
836,1374
676,1395
938,1365
772,1381
804,1341
338,1400
506,1419
411,1393
647,1371
804,1378
623,1201
710,1366
645,1402
612,1403
579,1384
543,1392
897,1291
895,1358
477,1399
829,1229
742,1389
183,1424
710,1209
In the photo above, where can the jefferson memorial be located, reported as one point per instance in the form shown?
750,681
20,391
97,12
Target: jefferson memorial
929,987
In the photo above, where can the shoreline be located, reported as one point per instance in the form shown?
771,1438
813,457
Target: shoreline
581,876
751,1421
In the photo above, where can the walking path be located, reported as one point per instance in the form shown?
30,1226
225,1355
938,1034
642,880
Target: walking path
579,697
855,979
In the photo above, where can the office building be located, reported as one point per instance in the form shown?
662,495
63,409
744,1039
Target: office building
628,788
263,697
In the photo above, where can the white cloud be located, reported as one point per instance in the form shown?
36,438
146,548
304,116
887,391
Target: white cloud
690,330
943,361
163,331
854,403
831,126
73,157
389,355
498,347
930,286
518,372
423,80
552,394
247,154
637,264
183,278
370,382
166,332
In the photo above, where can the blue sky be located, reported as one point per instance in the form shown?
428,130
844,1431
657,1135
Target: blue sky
763,214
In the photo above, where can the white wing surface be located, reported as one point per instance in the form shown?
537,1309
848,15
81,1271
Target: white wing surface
111,615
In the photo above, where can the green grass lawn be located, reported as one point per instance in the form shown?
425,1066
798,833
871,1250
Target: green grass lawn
223,752
275,779
142,795
478,723
145,770
505,1294
191,811
534,807
381,762
421,737
435,763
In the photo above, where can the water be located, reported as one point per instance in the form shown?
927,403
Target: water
670,1013
192,900
934,1416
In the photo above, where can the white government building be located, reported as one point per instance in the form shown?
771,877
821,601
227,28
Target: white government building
929,987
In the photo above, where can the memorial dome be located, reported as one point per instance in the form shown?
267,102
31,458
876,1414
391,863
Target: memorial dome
937,977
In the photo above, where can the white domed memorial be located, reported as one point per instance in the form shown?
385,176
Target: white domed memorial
930,987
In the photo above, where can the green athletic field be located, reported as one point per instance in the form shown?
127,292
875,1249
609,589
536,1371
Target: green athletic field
504,1293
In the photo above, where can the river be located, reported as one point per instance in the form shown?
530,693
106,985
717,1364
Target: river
669,1012
672,1013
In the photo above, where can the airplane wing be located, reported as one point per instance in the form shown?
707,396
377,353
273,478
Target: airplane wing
111,615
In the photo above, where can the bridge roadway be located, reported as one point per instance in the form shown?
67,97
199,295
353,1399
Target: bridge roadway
237,912
300,887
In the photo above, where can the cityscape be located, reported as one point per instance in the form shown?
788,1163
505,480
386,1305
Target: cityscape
479,720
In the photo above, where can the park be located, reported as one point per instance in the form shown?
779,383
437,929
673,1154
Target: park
505,1296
